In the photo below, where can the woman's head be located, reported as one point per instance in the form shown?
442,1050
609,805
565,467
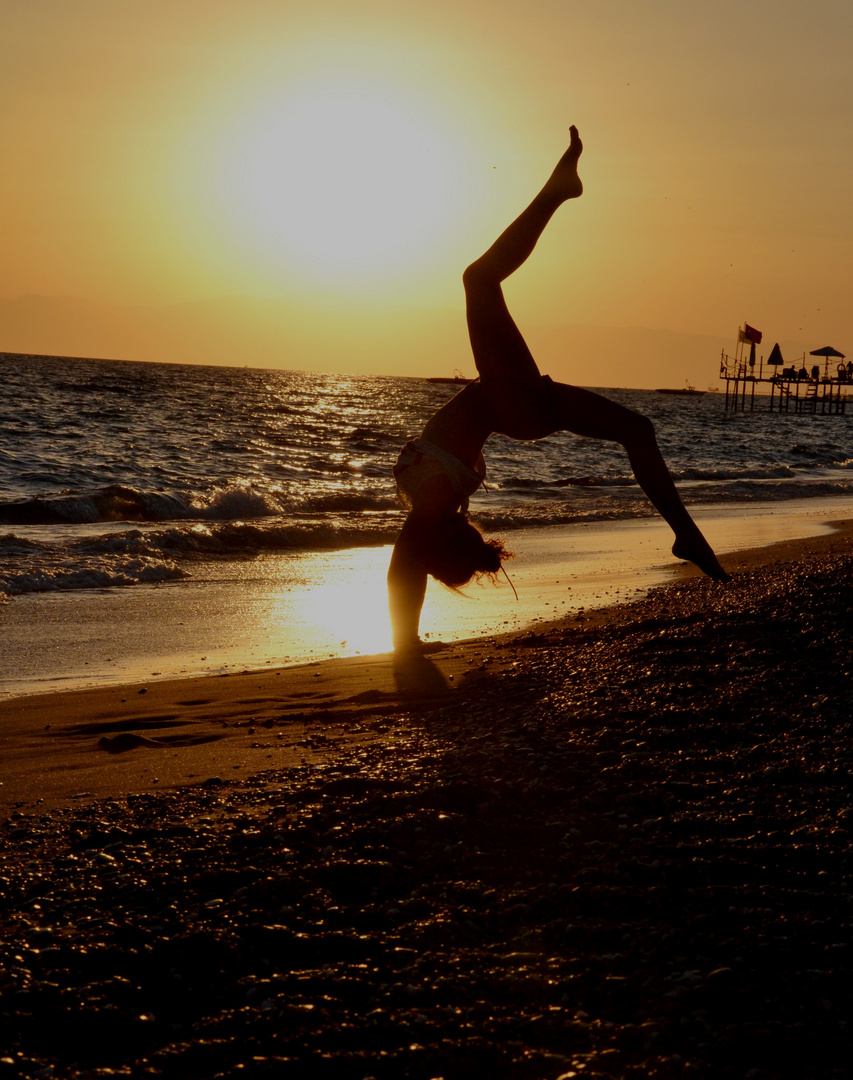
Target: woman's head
455,551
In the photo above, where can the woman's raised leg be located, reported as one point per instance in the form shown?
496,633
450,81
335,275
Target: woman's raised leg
585,413
500,351
518,240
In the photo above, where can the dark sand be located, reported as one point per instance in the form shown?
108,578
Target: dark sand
620,847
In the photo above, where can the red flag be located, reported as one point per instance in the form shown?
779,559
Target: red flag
751,334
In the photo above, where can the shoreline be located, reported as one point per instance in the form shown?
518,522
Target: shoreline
279,610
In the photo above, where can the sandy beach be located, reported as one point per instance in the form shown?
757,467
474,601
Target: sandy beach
617,845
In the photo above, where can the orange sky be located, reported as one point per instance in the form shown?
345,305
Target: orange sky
301,185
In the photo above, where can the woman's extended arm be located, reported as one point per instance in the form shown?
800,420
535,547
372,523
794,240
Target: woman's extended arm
407,581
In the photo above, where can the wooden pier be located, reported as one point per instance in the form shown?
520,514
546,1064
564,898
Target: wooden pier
793,389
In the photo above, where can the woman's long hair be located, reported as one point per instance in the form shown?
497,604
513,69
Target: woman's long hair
455,551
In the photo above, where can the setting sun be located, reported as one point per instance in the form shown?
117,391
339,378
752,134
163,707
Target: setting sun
340,178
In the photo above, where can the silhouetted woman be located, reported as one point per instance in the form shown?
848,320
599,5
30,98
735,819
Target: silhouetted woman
437,473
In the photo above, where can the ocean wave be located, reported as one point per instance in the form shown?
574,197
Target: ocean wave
595,481
232,539
62,574
347,502
75,558
236,502
118,502
716,474
12,545
228,504
113,503
150,556
722,475
821,471
777,490
241,521
583,503
545,515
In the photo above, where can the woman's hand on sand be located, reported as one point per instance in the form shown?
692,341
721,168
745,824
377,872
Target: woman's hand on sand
417,647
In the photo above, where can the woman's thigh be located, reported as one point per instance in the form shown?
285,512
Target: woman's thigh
500,352
520,402
583,412
526,410
522,410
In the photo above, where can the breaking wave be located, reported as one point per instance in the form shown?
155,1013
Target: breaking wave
120,503
57,574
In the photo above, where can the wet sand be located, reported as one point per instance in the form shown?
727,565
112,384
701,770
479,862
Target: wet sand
619,845
288,609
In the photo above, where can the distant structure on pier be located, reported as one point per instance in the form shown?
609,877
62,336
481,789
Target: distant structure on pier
800,387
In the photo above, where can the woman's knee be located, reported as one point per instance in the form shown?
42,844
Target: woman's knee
637,428
471,277
477,276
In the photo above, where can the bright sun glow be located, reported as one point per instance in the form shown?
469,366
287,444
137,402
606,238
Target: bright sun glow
341,179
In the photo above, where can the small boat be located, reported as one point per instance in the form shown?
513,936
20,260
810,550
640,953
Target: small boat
456,379
686,391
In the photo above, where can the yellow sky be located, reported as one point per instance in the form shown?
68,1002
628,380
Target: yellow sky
301,185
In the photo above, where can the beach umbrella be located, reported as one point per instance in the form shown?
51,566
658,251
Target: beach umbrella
775,356
826,352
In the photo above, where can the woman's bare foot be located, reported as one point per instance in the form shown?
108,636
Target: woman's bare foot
696,549
564,181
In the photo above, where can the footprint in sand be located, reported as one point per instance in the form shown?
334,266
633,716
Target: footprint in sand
129,740
126,741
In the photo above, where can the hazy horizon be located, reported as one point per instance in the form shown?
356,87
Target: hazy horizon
589,355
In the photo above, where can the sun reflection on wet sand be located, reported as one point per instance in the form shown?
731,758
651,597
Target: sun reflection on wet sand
338,601
301,607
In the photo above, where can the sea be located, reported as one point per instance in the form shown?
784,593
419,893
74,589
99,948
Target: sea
118,474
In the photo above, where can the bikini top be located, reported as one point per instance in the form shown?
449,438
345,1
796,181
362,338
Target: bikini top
420,460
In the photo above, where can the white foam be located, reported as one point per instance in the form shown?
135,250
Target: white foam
92,574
